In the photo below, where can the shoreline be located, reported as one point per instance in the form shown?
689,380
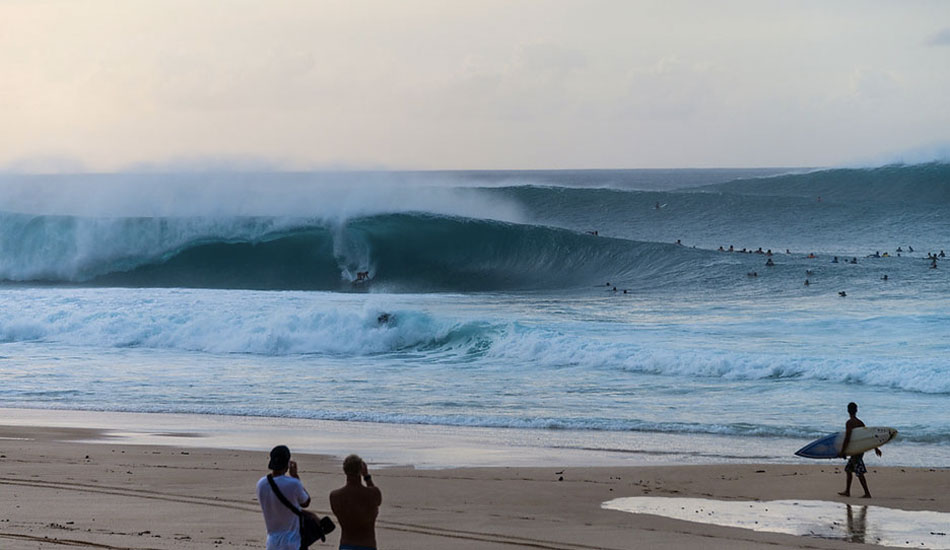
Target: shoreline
68,487
437,447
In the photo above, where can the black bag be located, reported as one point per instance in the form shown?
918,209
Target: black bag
312,527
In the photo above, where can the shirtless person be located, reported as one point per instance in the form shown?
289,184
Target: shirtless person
856,462
356,506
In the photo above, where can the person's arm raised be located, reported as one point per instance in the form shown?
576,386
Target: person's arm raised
292,471
369,483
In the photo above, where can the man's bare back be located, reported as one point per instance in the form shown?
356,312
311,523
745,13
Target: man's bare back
356,506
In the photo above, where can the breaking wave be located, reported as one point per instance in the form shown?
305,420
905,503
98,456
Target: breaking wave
433,233
293,324
400,252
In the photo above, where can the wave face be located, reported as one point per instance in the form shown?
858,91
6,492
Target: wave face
893,184
436,232
860,211
400,251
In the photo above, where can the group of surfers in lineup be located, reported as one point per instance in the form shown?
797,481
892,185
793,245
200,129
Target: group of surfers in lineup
877,254
933,257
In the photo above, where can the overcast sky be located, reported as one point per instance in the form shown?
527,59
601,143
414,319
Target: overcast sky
481,84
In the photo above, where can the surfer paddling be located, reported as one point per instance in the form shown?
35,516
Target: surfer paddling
856,462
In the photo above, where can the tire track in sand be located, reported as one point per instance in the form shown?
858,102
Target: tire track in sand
233,504
69,542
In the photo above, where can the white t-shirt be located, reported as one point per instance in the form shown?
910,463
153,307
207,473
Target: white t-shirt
283,526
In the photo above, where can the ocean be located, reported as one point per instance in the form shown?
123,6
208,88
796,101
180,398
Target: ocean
595,304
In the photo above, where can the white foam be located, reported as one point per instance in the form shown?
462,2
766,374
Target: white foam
323,323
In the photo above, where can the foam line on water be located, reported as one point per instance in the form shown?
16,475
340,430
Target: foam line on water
296,324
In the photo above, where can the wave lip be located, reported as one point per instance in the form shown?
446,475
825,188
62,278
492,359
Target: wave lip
79,249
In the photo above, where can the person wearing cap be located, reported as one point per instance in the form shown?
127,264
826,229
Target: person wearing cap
356,506
283,526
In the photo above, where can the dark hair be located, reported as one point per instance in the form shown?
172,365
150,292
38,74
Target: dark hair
852,407
352,465
279,458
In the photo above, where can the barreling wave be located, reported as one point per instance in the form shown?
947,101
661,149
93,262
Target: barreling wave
286,231
401,252
524,237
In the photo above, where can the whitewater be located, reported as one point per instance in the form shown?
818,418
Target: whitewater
595,302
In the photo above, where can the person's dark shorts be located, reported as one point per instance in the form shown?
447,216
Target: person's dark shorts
855,465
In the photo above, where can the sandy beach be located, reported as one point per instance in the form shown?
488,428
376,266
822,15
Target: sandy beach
82,488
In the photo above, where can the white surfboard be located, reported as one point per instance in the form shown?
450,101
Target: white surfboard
862,440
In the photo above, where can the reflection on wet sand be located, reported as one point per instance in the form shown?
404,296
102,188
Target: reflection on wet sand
815,518
857,523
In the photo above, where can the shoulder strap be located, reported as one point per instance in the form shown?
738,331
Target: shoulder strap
280,496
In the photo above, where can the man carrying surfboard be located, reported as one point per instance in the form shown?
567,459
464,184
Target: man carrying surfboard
856,462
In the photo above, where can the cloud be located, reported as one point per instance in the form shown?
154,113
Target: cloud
874,84
942,38
548,58
671,89
43,164
531,82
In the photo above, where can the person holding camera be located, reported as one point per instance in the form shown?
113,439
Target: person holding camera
356,506
283,531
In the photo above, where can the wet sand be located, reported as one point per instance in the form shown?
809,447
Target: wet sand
80,488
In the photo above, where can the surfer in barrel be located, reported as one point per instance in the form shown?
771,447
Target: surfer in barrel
855,464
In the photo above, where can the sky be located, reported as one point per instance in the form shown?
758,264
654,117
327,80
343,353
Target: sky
96,85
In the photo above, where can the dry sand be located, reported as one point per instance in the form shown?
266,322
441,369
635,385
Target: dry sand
57,492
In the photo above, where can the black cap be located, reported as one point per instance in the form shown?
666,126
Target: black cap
279,458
